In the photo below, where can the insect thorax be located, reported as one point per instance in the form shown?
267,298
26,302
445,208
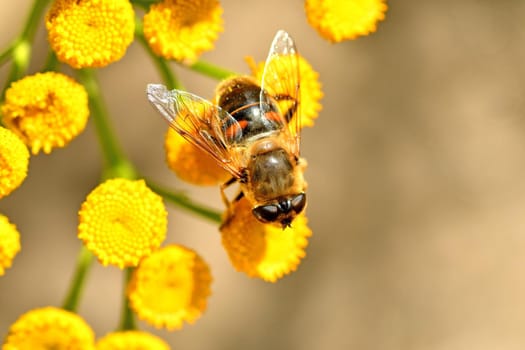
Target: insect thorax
271,171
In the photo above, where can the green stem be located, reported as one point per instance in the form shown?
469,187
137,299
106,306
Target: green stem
52,62
21,47
6,54
116,164
184,202
211,70
34,18
84,260
127,320
145,4
162,65
21,54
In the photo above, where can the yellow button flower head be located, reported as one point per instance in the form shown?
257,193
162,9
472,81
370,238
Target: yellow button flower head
90,33
190,163
183,29
122,221
311,93
46,110
263,250
131,340
49,328
9,243
14,160
169,287
337,20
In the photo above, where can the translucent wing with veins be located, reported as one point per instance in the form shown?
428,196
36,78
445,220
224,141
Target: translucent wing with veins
198,121
281,80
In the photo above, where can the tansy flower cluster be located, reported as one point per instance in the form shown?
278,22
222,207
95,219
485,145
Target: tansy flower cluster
337,20
49,328
131,340
260,250
183,29
169,287
9,243
46,110
14,161
90,33
122,222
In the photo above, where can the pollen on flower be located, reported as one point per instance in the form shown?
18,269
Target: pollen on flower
190,163
131,340
183,29
49,328
9,243
343,20
90,33
310,93
122,221
170,287
14,161
263,250
46,110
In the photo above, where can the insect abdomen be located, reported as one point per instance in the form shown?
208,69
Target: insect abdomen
241,98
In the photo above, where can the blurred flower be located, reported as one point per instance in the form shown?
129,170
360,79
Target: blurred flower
49,328
9,243
14,160
310,93
46,110
169,287
343,20
263,250
190,163
90,33
183,29
122,221
131,340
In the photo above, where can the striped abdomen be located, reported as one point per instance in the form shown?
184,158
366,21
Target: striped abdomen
241,97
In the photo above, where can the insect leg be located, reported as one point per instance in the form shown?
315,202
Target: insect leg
239,196
227,203
223,187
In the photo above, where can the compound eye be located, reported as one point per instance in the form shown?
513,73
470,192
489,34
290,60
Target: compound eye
266,213
298,202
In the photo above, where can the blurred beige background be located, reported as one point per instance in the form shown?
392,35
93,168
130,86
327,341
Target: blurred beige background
416,175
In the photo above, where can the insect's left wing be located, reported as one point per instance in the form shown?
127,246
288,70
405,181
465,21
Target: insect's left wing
281,80
198,121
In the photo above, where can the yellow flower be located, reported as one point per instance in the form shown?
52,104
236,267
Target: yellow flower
49,328
131,340
122,221
337,20
9,243
169,287
263,250
183,29
14,160
46,110
190,163
90,33
311,93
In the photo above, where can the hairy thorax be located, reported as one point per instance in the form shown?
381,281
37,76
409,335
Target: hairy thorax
271,171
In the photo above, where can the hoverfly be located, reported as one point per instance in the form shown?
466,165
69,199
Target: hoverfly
249,132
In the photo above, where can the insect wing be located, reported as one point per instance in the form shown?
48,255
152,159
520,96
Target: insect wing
198,121
281,80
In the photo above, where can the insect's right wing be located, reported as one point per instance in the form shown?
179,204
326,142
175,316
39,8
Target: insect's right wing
198,121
